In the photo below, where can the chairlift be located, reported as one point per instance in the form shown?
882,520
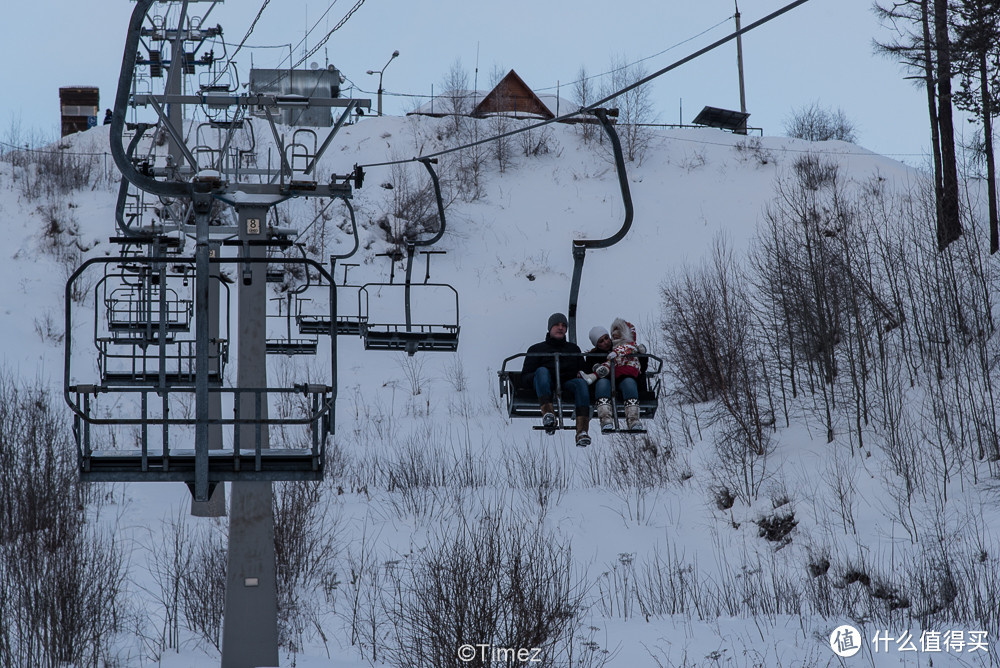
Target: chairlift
149,410
215,80
152,386
287,344
521,401
310,317
311,320
143,308
411,335
232,149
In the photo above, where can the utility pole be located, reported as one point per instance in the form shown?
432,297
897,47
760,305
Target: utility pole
739,61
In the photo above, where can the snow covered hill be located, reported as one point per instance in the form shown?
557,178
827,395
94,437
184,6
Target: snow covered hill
649,550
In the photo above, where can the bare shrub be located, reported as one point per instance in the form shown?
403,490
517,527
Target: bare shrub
739,466
537,141
412,367
203,587
64,600
47,172
62,591
305,550
169,559
814,122
60,234
752,150
495,580
543,478
713,351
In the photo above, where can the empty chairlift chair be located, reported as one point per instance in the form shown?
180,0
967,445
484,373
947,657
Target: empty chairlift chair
287,344
143,336
312,319
437,327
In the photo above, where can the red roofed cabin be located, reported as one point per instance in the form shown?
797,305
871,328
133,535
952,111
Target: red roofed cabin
513,96
510,96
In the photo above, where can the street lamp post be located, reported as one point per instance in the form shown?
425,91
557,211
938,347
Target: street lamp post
380,73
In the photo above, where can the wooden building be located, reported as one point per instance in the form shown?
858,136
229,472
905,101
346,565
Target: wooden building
79,107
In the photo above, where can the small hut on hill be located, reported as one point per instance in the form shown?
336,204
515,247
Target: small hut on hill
511,96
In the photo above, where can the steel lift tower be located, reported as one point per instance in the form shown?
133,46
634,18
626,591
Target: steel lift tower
161,307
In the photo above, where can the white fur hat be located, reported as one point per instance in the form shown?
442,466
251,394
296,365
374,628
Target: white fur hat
596,333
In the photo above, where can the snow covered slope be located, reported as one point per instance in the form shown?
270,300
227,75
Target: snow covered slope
424,447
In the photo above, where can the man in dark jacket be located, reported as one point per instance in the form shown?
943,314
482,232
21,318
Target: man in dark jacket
539,371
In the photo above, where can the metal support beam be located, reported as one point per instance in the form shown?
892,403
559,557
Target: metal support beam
216,504
202,488
329,137
250,634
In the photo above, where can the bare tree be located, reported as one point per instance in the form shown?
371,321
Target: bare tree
635,107
457,100
500,123
583,94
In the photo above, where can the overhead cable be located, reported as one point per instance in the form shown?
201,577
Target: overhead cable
586,109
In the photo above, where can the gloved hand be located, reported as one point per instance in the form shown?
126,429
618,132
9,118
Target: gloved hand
641,348
612,356
601,370
589,377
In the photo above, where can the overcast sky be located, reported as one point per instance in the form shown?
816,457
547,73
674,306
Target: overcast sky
820,51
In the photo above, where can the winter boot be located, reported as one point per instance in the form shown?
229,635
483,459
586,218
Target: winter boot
632,414
548,415
582,437
604,415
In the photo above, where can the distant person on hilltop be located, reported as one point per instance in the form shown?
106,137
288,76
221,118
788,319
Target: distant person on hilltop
107,117
539,371
619,350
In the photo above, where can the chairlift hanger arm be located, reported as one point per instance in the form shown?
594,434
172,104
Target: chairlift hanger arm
172,131
125,228
616,145
440,203
117,129
285,167
174,73
354,233
580,246
225,147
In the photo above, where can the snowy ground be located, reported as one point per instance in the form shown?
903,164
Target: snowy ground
509,256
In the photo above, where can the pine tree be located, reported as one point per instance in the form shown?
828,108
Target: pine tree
925,47
977,62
